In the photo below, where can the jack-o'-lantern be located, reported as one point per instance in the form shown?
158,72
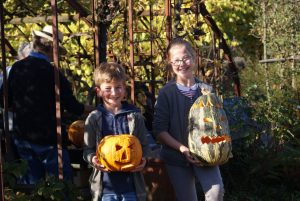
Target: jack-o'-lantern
209,135
76,133
120,152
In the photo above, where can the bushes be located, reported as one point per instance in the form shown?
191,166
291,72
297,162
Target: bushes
50,189
266,162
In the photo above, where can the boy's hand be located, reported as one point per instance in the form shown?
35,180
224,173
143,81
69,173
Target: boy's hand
97,165
141,166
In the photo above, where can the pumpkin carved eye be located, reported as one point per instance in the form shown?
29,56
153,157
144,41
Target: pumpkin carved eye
207,119
118,147
201,104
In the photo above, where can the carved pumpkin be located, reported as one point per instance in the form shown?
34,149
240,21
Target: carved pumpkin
209,136
120,152
76,133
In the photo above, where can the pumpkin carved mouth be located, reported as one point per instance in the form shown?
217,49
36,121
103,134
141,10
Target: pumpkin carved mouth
215,139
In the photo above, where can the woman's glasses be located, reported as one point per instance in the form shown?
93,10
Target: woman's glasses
179,62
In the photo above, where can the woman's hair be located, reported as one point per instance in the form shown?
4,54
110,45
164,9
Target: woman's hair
180,42
109,71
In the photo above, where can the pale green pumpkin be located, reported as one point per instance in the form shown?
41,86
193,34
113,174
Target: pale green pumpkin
209,135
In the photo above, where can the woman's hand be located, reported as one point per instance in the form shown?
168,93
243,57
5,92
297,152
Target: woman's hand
97,165
186,152
141,166
167,139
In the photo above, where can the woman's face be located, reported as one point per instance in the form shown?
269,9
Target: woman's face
182,62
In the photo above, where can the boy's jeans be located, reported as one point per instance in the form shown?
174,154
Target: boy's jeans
119,197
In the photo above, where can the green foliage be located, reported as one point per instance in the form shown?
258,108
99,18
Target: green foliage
13,170
259,173
234,19
282,26
266,164
49,189
55,190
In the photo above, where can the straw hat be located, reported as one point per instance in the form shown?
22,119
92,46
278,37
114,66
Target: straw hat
47,33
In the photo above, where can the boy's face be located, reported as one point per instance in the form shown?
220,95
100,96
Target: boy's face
112,93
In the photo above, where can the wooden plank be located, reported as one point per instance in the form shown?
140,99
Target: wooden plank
45,19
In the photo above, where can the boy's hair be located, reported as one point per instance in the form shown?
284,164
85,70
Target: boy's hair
109,71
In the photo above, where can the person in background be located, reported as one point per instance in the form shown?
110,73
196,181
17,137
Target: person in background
31,97
23,51
114,116
170,127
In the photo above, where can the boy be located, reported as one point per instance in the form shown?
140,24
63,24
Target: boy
114,117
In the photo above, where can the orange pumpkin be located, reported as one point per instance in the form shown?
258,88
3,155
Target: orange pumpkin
120,152
76,133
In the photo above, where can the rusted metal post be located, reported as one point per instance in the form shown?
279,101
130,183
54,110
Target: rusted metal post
168,29
57,88
196,11
131,43
168,20
96,34
4,97
152,83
